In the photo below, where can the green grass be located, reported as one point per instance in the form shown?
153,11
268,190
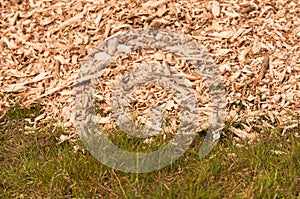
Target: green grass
34,165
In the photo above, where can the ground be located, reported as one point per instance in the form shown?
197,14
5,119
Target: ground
254,45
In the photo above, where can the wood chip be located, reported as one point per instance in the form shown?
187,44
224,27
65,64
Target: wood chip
264,68
71,21
215,9
155,4
242,134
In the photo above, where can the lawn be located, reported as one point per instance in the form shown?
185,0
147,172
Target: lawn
34,165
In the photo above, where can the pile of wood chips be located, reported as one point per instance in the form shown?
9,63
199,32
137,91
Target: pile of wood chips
255,44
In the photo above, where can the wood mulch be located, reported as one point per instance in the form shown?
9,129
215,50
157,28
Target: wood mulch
255,44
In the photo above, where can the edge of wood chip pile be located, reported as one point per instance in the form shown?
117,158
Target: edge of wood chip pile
254,43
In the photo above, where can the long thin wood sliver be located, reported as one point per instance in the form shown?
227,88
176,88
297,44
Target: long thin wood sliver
50,92
70,21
